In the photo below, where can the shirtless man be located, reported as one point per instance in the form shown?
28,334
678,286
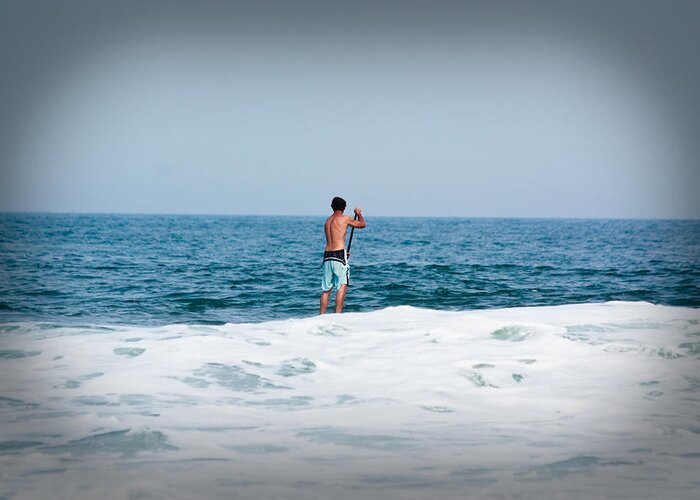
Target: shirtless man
336,270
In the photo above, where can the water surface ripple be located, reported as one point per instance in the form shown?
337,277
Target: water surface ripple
161,269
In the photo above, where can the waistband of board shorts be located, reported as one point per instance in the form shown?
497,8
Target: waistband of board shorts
338,255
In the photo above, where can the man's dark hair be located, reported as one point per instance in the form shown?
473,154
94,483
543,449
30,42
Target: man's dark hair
338,203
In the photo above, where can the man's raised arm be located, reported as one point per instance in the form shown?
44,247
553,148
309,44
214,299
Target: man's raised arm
360,222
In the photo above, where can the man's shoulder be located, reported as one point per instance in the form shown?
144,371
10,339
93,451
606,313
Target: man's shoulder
340,218
347,220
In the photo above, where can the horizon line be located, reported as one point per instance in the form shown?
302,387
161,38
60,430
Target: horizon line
515,217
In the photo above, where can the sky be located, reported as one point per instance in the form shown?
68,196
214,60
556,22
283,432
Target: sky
461,109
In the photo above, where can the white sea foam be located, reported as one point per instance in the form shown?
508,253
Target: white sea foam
577,401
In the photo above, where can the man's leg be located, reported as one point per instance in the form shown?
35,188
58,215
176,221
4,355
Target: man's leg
340,298
324,301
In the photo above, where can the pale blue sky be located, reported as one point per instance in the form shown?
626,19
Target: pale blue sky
440,111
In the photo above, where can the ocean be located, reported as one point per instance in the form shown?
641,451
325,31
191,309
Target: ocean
158,356
155,270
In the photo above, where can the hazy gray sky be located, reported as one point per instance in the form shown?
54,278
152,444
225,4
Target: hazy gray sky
525,109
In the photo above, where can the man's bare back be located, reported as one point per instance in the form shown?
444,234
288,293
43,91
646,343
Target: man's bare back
336,227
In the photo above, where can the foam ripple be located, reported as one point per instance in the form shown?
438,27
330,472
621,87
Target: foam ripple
488,403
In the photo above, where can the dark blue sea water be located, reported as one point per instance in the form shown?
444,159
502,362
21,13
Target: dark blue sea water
162,269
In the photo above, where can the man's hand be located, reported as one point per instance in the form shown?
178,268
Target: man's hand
358,211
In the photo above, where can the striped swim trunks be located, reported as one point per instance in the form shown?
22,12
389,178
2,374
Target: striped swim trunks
336,271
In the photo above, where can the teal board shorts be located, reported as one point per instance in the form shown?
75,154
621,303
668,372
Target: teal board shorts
336,270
